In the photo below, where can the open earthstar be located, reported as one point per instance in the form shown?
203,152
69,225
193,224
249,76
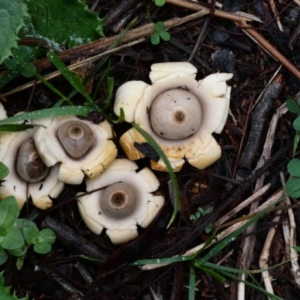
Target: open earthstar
178,111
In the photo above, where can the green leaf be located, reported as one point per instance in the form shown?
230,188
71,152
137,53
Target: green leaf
4,171
293,167
19,252
159,27
30,231
292,187
13,239
42,248
192,284
292,106
160,2
3,256
12,14
48,235
63,22
9,211
50,112
296,123
10,64
155,39
15,127
296,142
165,36
296,248
73,80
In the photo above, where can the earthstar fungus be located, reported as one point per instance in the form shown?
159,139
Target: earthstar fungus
125,200
82,147
179,112
28,175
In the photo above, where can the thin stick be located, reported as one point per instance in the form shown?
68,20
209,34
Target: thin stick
265,253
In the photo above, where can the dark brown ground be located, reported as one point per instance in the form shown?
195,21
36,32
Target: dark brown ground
225,48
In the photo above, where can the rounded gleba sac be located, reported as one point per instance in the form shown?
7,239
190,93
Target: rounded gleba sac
123,198
178,111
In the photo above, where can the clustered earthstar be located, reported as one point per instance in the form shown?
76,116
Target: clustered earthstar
178,111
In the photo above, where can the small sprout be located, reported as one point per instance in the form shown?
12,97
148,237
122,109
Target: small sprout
160,33
201,212
17,235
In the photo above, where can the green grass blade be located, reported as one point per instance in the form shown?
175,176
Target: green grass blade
53,89
213,274
192,284
167,260
258,288
14,127
73,80
50,112
222,244
163,156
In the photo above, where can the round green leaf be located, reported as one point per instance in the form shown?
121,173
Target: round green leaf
18,252
155,39
28,70
160,2
13,239
42,248
296,123
30,232
292,106
48,235
165,36
293,187
10,64
293,167
160,27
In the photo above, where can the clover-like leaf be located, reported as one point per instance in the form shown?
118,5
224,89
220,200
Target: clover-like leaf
13,239
155,38
293,187
293,167
30,232
292,106
48,235
165,36
42,248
